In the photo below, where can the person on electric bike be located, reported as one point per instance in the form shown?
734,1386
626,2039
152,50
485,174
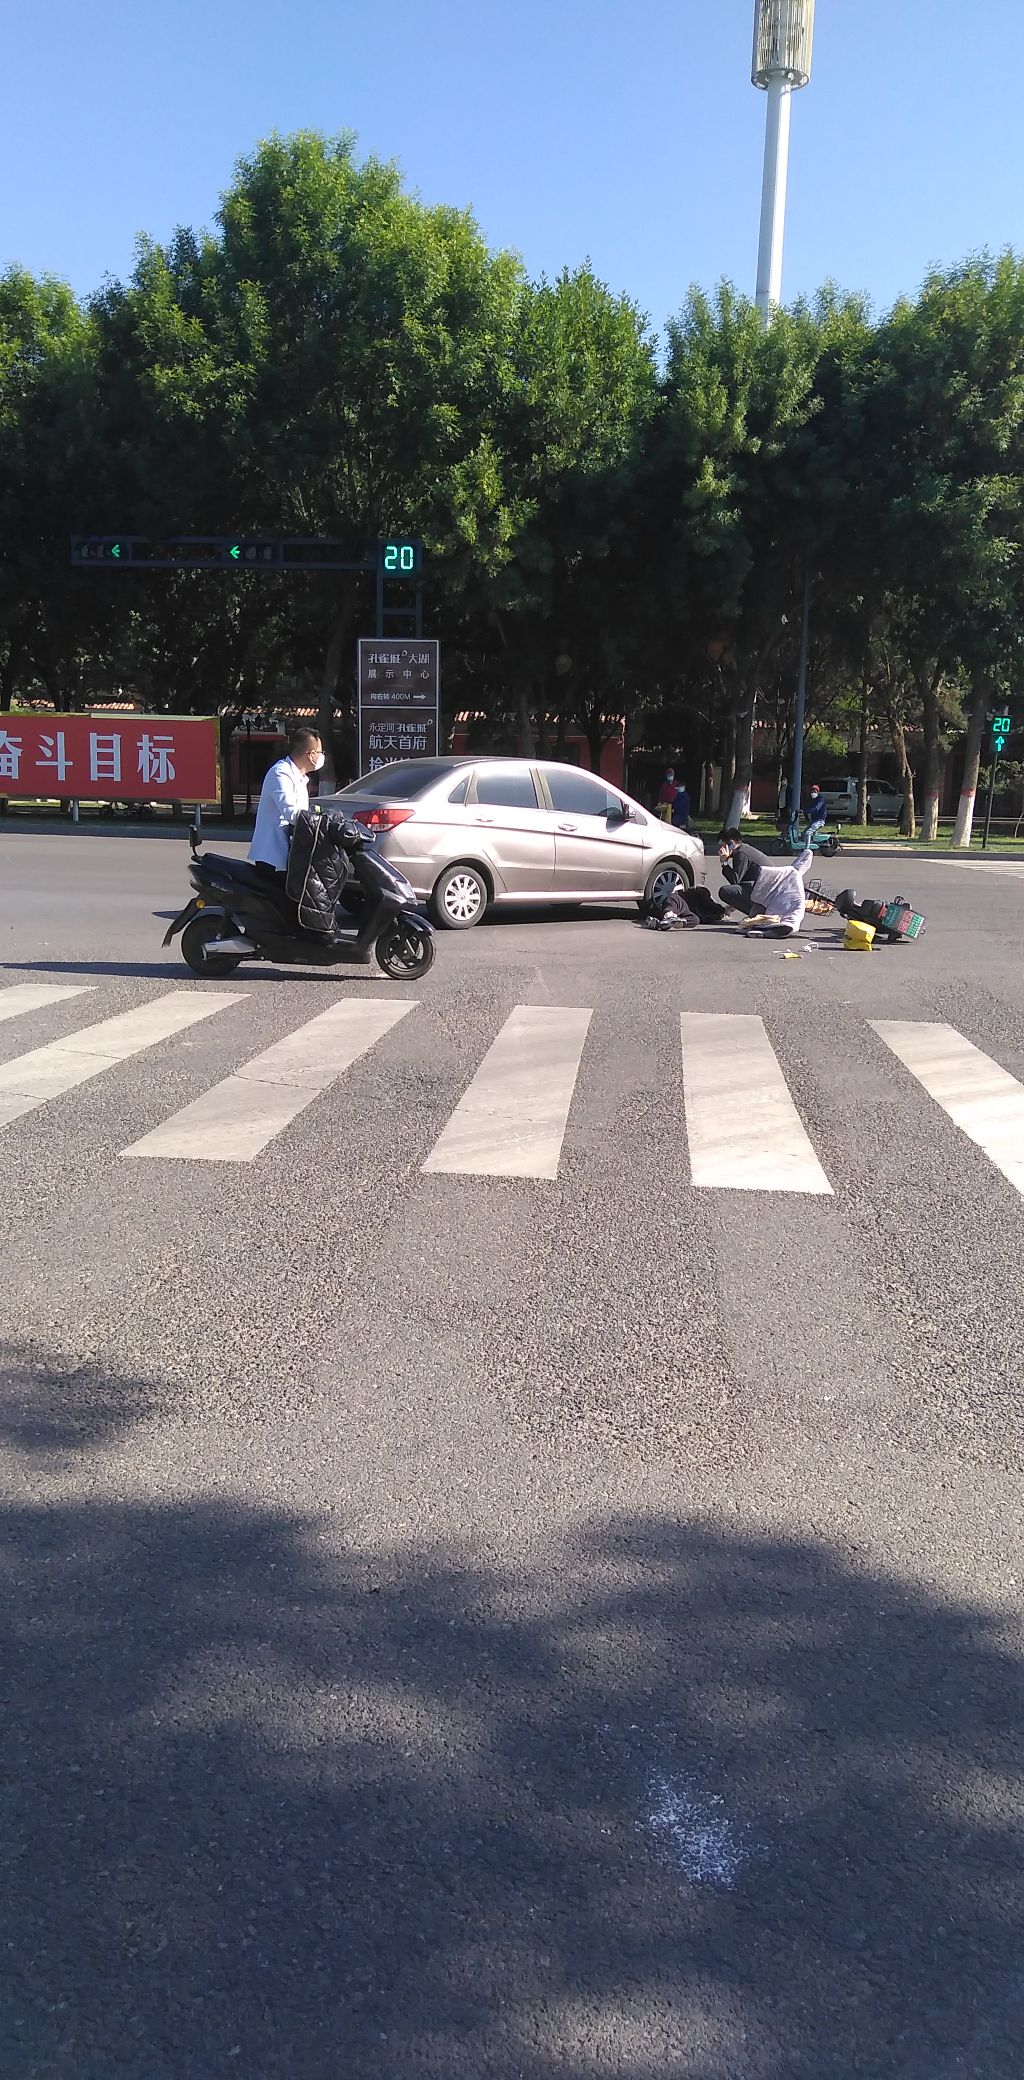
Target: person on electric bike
817,811
284,792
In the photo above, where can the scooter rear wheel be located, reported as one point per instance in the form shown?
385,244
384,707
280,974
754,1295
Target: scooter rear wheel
202,933
404,955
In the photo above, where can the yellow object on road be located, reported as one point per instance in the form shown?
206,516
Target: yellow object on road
859,937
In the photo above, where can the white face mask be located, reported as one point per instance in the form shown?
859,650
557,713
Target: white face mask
320,761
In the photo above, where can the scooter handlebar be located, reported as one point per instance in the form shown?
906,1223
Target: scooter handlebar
342,831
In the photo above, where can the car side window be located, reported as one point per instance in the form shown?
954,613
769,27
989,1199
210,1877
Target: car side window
576,794
459,793
506,790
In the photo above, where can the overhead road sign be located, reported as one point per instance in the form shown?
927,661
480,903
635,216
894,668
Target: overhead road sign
396,557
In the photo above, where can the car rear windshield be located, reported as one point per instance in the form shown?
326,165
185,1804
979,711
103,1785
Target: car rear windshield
401,782
837,784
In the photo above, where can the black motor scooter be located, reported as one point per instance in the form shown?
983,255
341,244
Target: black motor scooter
238,915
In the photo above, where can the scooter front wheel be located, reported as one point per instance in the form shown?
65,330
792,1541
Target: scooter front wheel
404,955
198,945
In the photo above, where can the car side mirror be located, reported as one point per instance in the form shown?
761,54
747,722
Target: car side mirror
620,813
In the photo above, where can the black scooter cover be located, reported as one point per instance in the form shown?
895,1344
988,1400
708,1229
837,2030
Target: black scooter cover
318,868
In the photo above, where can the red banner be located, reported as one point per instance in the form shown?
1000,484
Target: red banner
110,758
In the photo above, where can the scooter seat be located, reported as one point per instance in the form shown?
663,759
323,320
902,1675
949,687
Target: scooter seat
240,870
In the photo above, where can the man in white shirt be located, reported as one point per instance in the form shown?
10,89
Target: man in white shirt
284,792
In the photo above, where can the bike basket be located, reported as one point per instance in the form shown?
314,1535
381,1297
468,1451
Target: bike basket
820,900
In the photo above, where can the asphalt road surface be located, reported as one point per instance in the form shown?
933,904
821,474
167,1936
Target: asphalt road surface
549,1625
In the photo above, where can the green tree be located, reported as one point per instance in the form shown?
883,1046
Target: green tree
327,363
51,626
746,488
940,411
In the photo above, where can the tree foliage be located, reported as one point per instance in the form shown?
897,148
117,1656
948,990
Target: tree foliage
608,534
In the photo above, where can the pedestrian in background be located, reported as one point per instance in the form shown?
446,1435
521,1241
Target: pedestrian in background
667,794
681,807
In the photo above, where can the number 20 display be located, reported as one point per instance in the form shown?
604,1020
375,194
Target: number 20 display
400,558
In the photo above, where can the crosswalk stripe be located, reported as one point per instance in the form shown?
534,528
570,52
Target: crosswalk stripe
235,1120
47,1072
511,1121
37,996
983,1100
742,1126
1013,867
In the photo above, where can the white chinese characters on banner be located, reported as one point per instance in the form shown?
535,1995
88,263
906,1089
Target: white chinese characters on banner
10,755
52,752
104,757
156,764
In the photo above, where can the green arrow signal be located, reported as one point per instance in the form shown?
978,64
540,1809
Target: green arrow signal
235,551
116,550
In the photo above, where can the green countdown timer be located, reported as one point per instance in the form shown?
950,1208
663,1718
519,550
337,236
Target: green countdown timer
400,559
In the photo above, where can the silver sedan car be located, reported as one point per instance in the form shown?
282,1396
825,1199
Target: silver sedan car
471,832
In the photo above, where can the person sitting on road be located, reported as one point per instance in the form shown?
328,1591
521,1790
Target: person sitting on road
284,792
741,864
770,897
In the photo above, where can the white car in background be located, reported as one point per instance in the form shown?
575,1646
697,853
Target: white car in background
472,832
885,802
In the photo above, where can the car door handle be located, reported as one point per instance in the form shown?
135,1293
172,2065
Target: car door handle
485,819
567,826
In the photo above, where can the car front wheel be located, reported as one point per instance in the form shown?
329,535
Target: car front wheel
459,898
669,878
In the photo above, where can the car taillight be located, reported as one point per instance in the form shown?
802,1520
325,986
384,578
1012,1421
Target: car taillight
381,819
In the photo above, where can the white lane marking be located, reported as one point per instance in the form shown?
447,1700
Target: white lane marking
47,1072
36,996
983,1100
233,1122
1013,867
511,1121
743,1128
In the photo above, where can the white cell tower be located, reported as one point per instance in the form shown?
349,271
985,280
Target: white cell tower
783,35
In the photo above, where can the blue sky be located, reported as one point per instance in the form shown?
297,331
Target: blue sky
626,133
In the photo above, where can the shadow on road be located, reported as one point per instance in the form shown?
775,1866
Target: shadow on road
64,1406
238,833
179,971
679,1803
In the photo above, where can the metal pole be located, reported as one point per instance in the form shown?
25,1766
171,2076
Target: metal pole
773,197
248,765
991,797
796,777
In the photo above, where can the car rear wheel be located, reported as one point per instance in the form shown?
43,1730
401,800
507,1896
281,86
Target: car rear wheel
460,897
669,878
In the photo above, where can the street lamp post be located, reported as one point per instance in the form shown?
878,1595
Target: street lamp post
783,35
